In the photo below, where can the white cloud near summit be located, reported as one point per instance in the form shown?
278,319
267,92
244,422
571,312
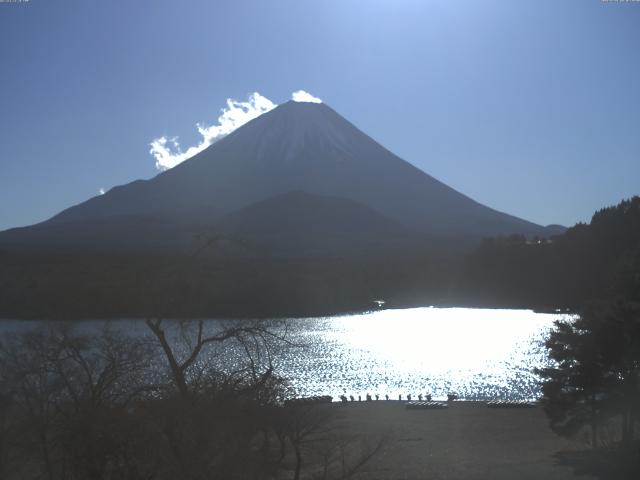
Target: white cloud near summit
302,96
168,153
167,150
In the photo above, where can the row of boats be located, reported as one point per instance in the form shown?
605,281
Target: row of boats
369,398
420,404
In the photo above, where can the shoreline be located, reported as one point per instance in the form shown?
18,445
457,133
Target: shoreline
336,314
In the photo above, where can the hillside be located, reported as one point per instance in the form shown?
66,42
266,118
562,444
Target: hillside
297,147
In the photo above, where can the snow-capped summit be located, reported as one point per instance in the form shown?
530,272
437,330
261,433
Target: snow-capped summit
296,147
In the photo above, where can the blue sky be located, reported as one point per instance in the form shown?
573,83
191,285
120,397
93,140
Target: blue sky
530,107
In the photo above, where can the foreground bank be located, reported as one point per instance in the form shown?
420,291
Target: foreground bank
466,441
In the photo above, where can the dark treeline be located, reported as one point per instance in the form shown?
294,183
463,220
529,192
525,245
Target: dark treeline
100,286
104,405
589,261
600,260
592,388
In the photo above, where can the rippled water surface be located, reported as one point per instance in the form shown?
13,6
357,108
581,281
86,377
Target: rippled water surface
475,353
478,354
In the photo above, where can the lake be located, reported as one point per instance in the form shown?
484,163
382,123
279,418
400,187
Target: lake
478,354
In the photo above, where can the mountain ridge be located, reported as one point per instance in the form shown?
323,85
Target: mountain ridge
305,147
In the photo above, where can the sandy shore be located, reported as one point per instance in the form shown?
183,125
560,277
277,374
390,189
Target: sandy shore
466,441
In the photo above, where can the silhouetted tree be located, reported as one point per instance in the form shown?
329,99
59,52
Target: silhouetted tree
69,400
597,371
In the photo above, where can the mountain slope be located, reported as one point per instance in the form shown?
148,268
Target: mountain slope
301,147
302,224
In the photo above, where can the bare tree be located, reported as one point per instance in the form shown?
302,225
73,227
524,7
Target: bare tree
315,433
80,403
70,395
226,404
257,338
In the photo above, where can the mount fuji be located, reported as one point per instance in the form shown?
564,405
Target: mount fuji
298,180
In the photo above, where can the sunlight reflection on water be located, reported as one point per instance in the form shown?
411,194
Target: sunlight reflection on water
478,354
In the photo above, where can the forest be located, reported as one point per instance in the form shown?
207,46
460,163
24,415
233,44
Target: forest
600,259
